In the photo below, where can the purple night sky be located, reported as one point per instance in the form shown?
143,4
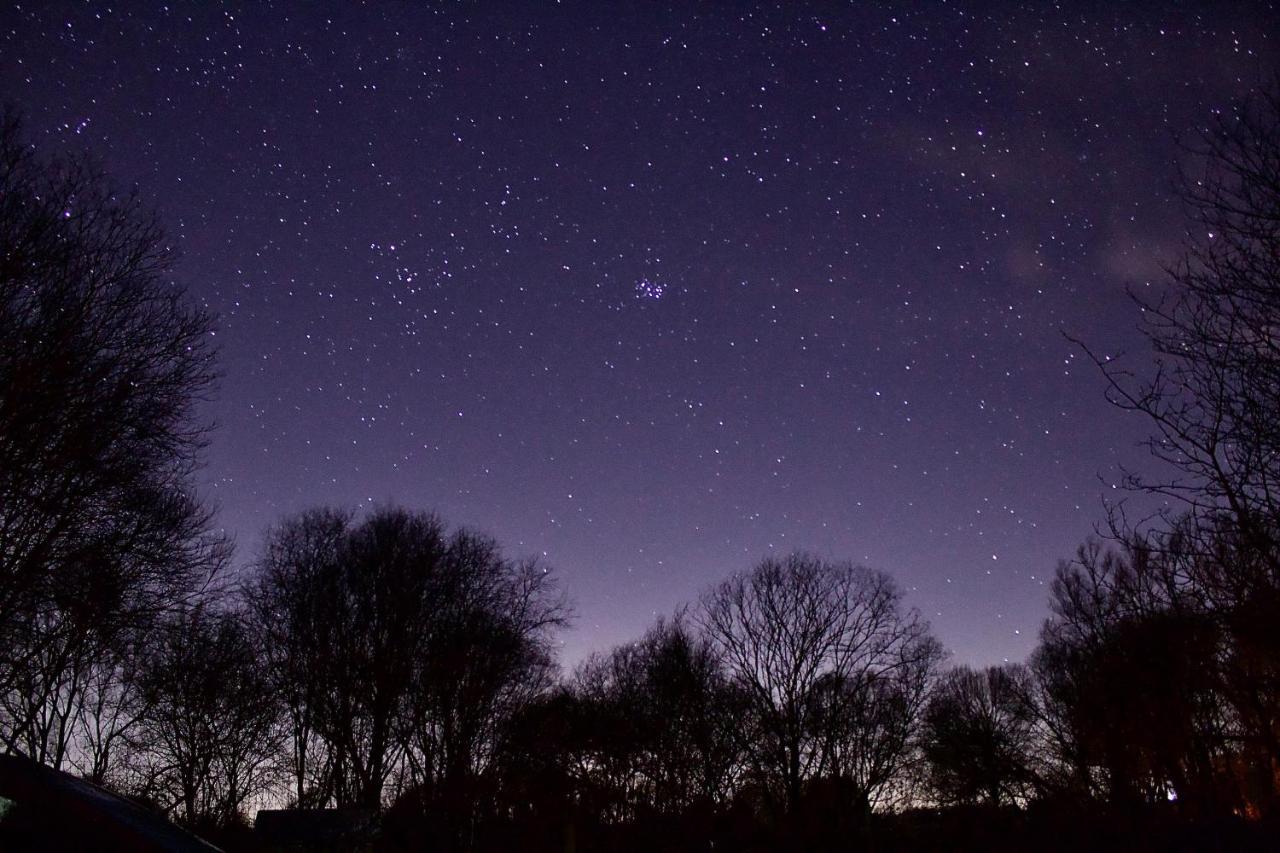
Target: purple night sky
654,293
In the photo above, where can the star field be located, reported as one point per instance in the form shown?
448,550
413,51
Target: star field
655,291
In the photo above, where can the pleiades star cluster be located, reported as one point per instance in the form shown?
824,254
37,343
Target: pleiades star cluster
650,291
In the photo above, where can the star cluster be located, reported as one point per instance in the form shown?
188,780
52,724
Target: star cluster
653,291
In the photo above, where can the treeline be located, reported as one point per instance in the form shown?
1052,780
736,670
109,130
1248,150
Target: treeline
389,663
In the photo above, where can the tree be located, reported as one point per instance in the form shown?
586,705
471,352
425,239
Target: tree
1213,394
288,598
690,710
400,650
867,729
110,709
1212,401
979,736
102,362
365,614
1128,662
209,732
794,624
487,655
656,732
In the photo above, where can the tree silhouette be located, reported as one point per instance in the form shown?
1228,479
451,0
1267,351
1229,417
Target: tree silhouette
657,726
487,655
102,361
400,652
1211,402
1212,398
209,732
979,736
1129,665
357,602
287,599
794,624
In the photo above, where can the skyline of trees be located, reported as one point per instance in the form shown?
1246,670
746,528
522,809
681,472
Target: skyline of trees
386,661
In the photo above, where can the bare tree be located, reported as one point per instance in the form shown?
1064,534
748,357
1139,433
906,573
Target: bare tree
375,608
1212,401
1130,686
102,361
655,729
487,654
208,734
1212,398
399,652
793,624
980,736
110,709
867,727
287,597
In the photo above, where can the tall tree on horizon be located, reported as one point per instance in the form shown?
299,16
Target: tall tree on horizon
790,626
399,650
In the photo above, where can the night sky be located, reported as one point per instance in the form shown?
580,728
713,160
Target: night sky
654,292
